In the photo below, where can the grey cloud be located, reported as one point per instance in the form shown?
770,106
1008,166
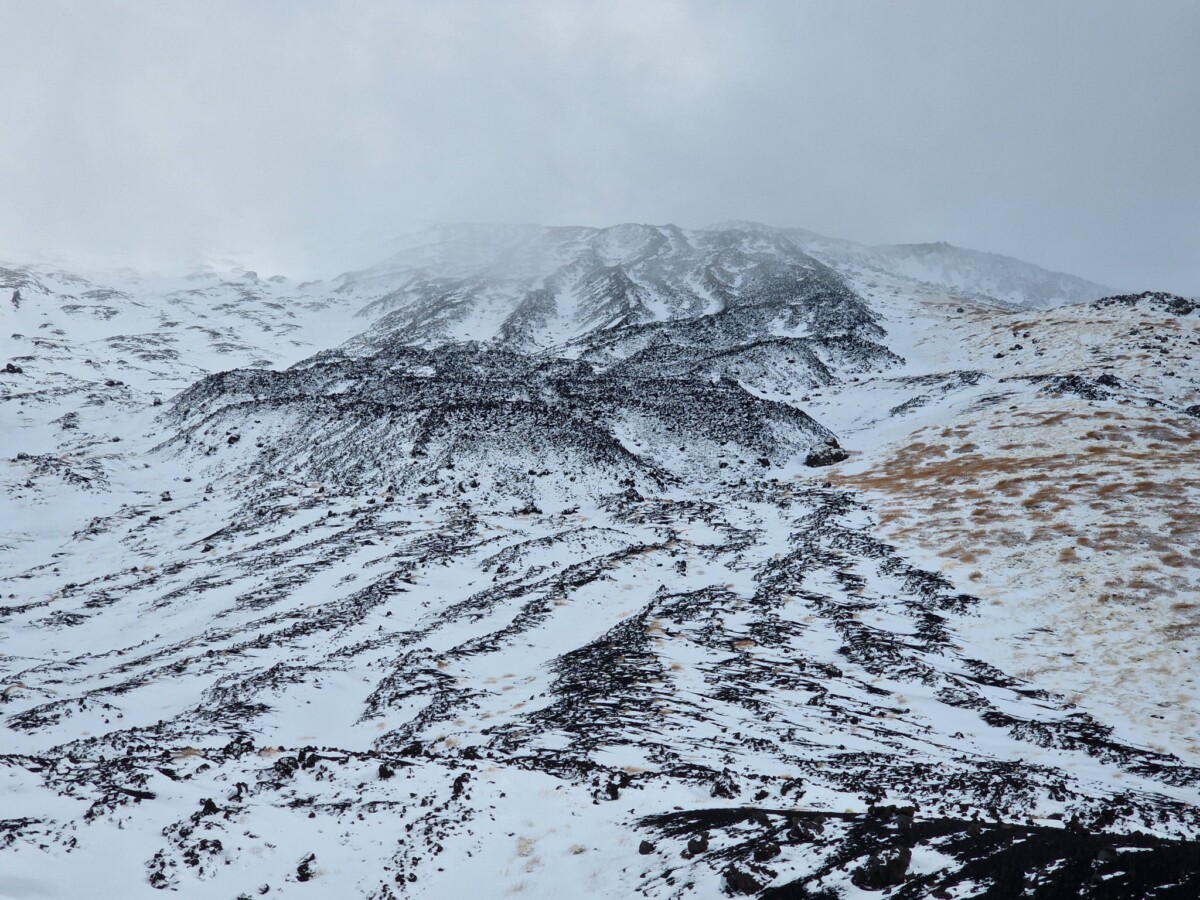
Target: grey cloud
302,134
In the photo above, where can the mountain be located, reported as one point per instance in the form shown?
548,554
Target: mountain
984,277
539,287
577,561
987,275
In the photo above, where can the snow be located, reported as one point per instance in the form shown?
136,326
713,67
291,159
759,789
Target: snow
436,687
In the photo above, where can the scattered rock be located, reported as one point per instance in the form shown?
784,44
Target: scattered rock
738,881
304,871
882,870
826,456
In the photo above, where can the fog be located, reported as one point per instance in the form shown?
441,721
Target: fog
301,136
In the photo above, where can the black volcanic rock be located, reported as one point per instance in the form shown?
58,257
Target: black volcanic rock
1151,300
408,416
825,456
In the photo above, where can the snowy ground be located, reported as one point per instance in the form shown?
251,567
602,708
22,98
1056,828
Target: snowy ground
964,652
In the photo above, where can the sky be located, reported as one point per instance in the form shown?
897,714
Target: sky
301,136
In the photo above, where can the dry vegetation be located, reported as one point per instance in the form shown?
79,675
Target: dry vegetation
1077,521
1081,519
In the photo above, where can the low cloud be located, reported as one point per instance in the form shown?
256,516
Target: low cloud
300,135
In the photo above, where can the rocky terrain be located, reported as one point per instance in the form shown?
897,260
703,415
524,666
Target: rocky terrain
619,562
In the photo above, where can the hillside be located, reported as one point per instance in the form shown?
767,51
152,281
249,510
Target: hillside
628,561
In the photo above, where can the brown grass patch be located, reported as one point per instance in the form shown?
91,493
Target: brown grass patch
962,554
1182,631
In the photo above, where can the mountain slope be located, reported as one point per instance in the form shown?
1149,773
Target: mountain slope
970,274
596,561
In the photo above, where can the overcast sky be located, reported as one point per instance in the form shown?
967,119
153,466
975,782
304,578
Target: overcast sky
302,135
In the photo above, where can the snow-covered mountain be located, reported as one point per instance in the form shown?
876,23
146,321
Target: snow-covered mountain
573,561
536,287
942,267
